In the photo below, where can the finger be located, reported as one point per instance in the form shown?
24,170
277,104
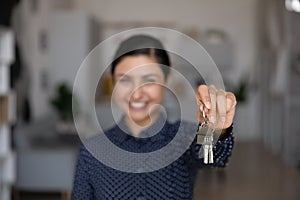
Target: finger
199,102
200,112
229,118
231,105
200,117
213,100
201,106
230,101
204,96
221,105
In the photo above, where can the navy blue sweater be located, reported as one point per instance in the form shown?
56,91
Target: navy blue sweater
95,180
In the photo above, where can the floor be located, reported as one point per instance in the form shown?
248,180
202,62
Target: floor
253,173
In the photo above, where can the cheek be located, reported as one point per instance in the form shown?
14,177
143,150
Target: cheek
156,92
119,93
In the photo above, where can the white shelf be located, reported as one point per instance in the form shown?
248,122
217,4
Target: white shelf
4,141
6,46
7,115
8,168
4,79
5,191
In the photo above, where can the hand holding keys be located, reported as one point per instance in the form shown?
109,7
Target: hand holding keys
216,113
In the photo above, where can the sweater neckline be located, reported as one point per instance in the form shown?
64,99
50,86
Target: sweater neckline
150,131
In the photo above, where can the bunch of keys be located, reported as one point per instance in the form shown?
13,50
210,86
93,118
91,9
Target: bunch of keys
205,137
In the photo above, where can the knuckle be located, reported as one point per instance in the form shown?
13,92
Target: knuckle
222,114
205,99
212,91
230,95
212,86
221,92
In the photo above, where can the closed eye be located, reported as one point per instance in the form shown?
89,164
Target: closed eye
151,78
150,81
124,79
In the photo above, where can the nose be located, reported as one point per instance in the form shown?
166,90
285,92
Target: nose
137,92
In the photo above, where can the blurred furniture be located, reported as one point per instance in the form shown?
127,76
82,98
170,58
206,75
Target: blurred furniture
7,114
46,159
291,127
279,83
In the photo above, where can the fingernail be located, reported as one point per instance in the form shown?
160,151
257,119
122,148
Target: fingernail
207,104
223,119
212,119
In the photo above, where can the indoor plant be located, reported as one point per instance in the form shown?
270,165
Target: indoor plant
62,104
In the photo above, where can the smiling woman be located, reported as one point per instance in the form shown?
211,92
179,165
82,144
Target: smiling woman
140,80
140,72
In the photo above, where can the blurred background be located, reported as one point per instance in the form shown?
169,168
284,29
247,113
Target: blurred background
255,44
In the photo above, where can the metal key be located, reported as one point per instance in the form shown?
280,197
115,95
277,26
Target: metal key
205,137
210,150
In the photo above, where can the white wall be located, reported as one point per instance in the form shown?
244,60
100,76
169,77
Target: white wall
28,26
237,18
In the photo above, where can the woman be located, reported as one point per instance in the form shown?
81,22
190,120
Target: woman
139,78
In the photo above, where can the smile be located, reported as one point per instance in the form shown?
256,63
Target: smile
137,105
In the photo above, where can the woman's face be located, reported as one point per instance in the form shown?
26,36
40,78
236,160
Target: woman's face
138,87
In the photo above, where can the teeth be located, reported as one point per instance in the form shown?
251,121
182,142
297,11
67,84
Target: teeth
137,104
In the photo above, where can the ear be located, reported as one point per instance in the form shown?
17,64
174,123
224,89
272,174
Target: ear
111,77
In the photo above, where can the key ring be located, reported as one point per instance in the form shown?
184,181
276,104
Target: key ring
206,122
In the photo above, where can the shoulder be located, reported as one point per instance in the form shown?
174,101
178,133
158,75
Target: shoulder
90,146
85,155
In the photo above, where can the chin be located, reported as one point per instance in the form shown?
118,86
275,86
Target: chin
140,120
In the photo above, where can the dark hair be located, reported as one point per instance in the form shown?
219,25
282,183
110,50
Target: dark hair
142,45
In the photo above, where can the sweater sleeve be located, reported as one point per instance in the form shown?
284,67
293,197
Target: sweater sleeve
222,150
82,188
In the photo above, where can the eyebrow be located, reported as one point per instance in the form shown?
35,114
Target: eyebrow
122,74
145,76
150,75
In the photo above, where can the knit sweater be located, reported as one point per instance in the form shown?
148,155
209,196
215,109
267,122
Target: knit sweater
95,180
